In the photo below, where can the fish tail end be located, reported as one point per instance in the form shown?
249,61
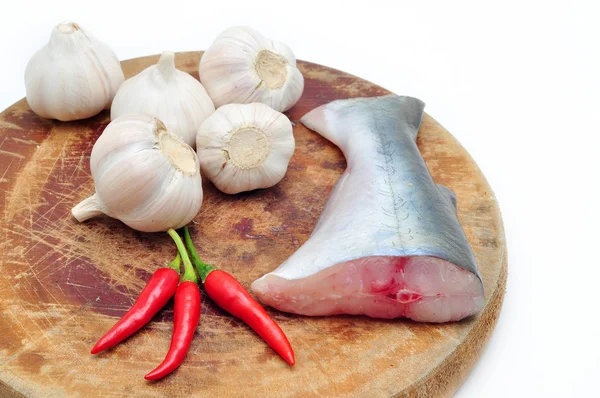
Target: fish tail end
412,110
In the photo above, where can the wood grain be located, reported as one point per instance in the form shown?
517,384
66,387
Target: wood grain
63,284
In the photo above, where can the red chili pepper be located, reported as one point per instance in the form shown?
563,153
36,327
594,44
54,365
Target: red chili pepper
186,316
230,295
158,291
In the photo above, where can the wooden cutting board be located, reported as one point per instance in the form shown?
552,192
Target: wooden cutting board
63,284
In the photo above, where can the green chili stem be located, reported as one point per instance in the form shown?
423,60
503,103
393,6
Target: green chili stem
188,273
175,264
203,268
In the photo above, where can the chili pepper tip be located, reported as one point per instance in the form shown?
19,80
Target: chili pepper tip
154,375
97,348
289,358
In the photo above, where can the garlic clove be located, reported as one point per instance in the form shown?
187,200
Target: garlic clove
145,175
242,66
245,147
171,95
72,77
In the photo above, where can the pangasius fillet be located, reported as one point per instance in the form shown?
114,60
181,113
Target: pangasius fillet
388,243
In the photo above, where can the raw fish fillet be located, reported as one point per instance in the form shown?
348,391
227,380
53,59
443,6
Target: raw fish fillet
388,243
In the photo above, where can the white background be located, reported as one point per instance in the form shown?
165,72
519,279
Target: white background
518,83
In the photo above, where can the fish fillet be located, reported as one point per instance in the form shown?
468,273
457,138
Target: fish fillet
388,243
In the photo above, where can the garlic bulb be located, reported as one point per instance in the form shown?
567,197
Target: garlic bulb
172,96
242,66
145,176
245,147
72,77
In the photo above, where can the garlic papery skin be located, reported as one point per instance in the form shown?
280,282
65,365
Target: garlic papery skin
144,175
245,147
72,77
243,67
173,96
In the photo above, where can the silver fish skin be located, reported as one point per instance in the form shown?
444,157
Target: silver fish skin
385,205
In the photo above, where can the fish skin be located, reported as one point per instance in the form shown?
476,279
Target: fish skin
386,202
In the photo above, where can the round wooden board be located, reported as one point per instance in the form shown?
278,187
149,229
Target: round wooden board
63,284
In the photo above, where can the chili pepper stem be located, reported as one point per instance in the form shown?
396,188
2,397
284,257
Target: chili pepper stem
175,264
188,274
203,268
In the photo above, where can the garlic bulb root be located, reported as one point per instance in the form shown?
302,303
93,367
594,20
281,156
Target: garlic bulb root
248,147
245,147
242,66
72,77
173,96
270,67
144,175
181,157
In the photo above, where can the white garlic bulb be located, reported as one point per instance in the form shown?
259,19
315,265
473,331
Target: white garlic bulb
245,147
72,77
243,67
172,96
144,175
